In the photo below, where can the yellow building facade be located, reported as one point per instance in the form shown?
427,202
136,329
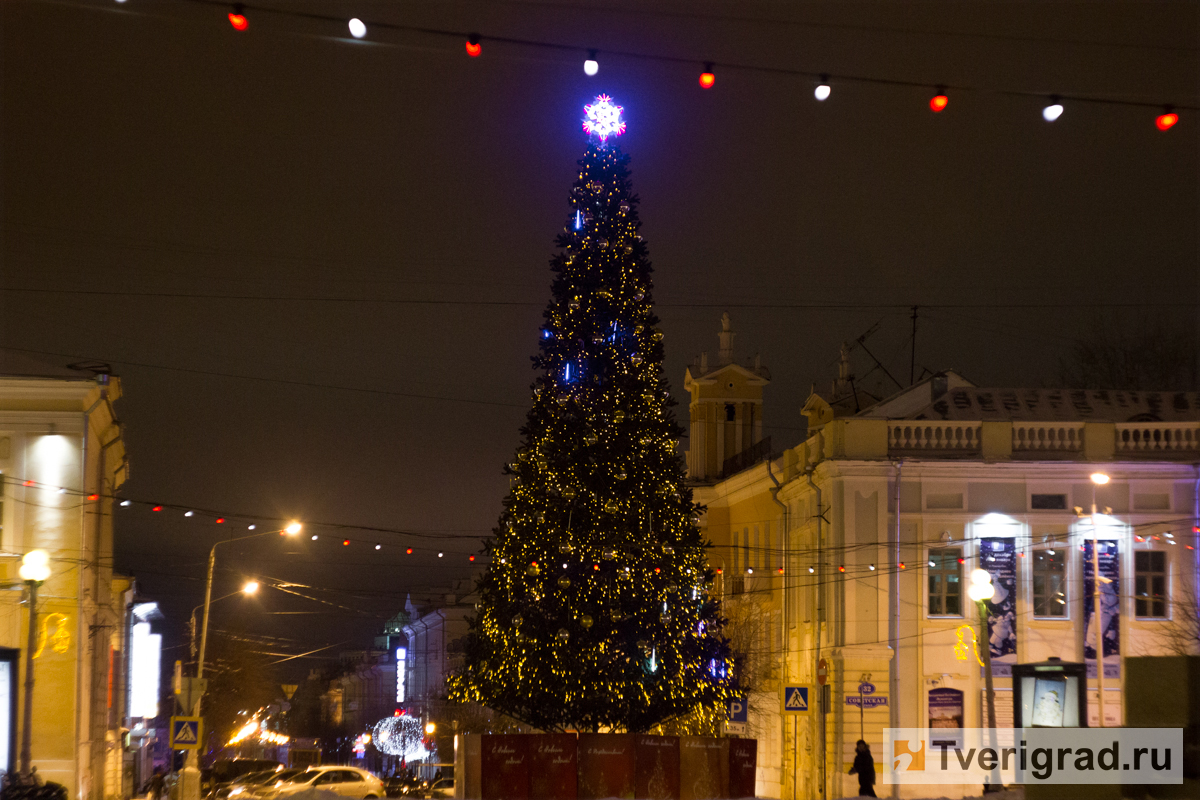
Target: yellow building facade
853,548
62,458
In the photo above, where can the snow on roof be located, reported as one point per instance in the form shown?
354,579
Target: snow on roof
1060,405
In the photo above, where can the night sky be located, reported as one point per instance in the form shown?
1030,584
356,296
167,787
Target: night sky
311,187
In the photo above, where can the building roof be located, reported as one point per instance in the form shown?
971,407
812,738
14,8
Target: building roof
1056,405
19,365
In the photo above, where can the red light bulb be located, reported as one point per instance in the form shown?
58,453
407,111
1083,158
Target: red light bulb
1166,121
93,497
237,19
938,102
841,569
220,520
707,79
157,508
408,551
345,542
470,558
474,48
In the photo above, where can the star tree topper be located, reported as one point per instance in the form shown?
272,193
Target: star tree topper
603,118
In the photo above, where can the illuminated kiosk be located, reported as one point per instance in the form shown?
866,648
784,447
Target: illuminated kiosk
1049,694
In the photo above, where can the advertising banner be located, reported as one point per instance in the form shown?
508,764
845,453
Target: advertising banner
607,763
945,717
657,775
743,767
553,766
999,557
1110,608
703,768
505,767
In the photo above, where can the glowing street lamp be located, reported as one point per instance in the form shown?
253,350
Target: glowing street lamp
189,785
34,570
981,591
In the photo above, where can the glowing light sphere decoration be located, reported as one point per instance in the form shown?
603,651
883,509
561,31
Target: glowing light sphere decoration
603,118
400,736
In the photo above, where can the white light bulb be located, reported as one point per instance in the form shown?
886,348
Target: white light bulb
188,513
1052,112
358,28
251,527
125,503
980,577
591,66
822,91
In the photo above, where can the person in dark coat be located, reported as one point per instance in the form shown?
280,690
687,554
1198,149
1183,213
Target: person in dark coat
864,768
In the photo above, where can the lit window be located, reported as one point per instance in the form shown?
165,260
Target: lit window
1150,583
1049,583
945,582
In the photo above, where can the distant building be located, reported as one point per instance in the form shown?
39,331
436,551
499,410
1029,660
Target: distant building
855,547
62,459
436,633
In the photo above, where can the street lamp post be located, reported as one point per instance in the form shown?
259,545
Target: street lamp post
249,588
189,782
1098,479
34,570
981,590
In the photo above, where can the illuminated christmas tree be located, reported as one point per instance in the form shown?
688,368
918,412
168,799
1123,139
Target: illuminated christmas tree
594,612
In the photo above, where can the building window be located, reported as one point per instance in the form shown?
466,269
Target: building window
945,582
730,412
1048,502
1150,583
1049,583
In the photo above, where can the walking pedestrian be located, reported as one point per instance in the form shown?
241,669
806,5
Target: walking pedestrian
864,768
156,784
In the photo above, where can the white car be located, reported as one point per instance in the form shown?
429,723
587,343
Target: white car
346,781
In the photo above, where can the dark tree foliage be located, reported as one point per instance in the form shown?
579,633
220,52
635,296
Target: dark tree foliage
1147,354
595,612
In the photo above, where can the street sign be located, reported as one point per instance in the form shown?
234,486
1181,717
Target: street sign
189,691
822,671
185,733
866,688
865,701
738,709
795,699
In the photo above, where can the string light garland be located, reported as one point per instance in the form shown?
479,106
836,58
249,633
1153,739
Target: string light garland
474,47
237,18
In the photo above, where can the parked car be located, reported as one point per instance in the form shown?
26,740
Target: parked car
255,783
347,781
403,786
441,788
226,772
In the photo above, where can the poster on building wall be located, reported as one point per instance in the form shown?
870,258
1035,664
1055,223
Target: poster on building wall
1110,608
945,717
999,557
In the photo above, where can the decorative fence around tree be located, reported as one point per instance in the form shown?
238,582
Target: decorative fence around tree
591,766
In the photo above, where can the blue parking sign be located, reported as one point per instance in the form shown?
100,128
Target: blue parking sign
738,709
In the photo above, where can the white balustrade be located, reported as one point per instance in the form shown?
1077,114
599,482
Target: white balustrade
1158,437
933,436
1047,436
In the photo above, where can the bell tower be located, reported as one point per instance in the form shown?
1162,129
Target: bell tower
725,435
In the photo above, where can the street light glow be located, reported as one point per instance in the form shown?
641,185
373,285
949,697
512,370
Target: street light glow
981,587
293,527
251,587
35,566
430,728
1099,478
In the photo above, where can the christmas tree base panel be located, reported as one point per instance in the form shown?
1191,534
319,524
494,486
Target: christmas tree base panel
593,766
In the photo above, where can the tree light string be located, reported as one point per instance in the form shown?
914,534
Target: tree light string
239,15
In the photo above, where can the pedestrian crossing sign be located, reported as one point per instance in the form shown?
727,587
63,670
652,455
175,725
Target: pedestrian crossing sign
795,699
185,733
